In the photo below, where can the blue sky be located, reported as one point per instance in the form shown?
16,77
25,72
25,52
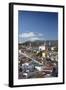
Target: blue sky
37,26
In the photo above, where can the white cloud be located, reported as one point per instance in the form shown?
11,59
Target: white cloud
34,38
40,34
30,36
26,35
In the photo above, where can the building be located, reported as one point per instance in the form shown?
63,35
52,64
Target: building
44,49
41,48
52,48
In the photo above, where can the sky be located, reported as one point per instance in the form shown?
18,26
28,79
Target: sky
33,25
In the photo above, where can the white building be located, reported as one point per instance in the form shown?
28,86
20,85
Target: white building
42,48
38,68
43,54
52,48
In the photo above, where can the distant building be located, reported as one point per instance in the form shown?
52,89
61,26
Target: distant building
30,45
44,49
41,48
49,43
43,54
52,48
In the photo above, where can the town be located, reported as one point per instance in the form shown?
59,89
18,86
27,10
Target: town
38,59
